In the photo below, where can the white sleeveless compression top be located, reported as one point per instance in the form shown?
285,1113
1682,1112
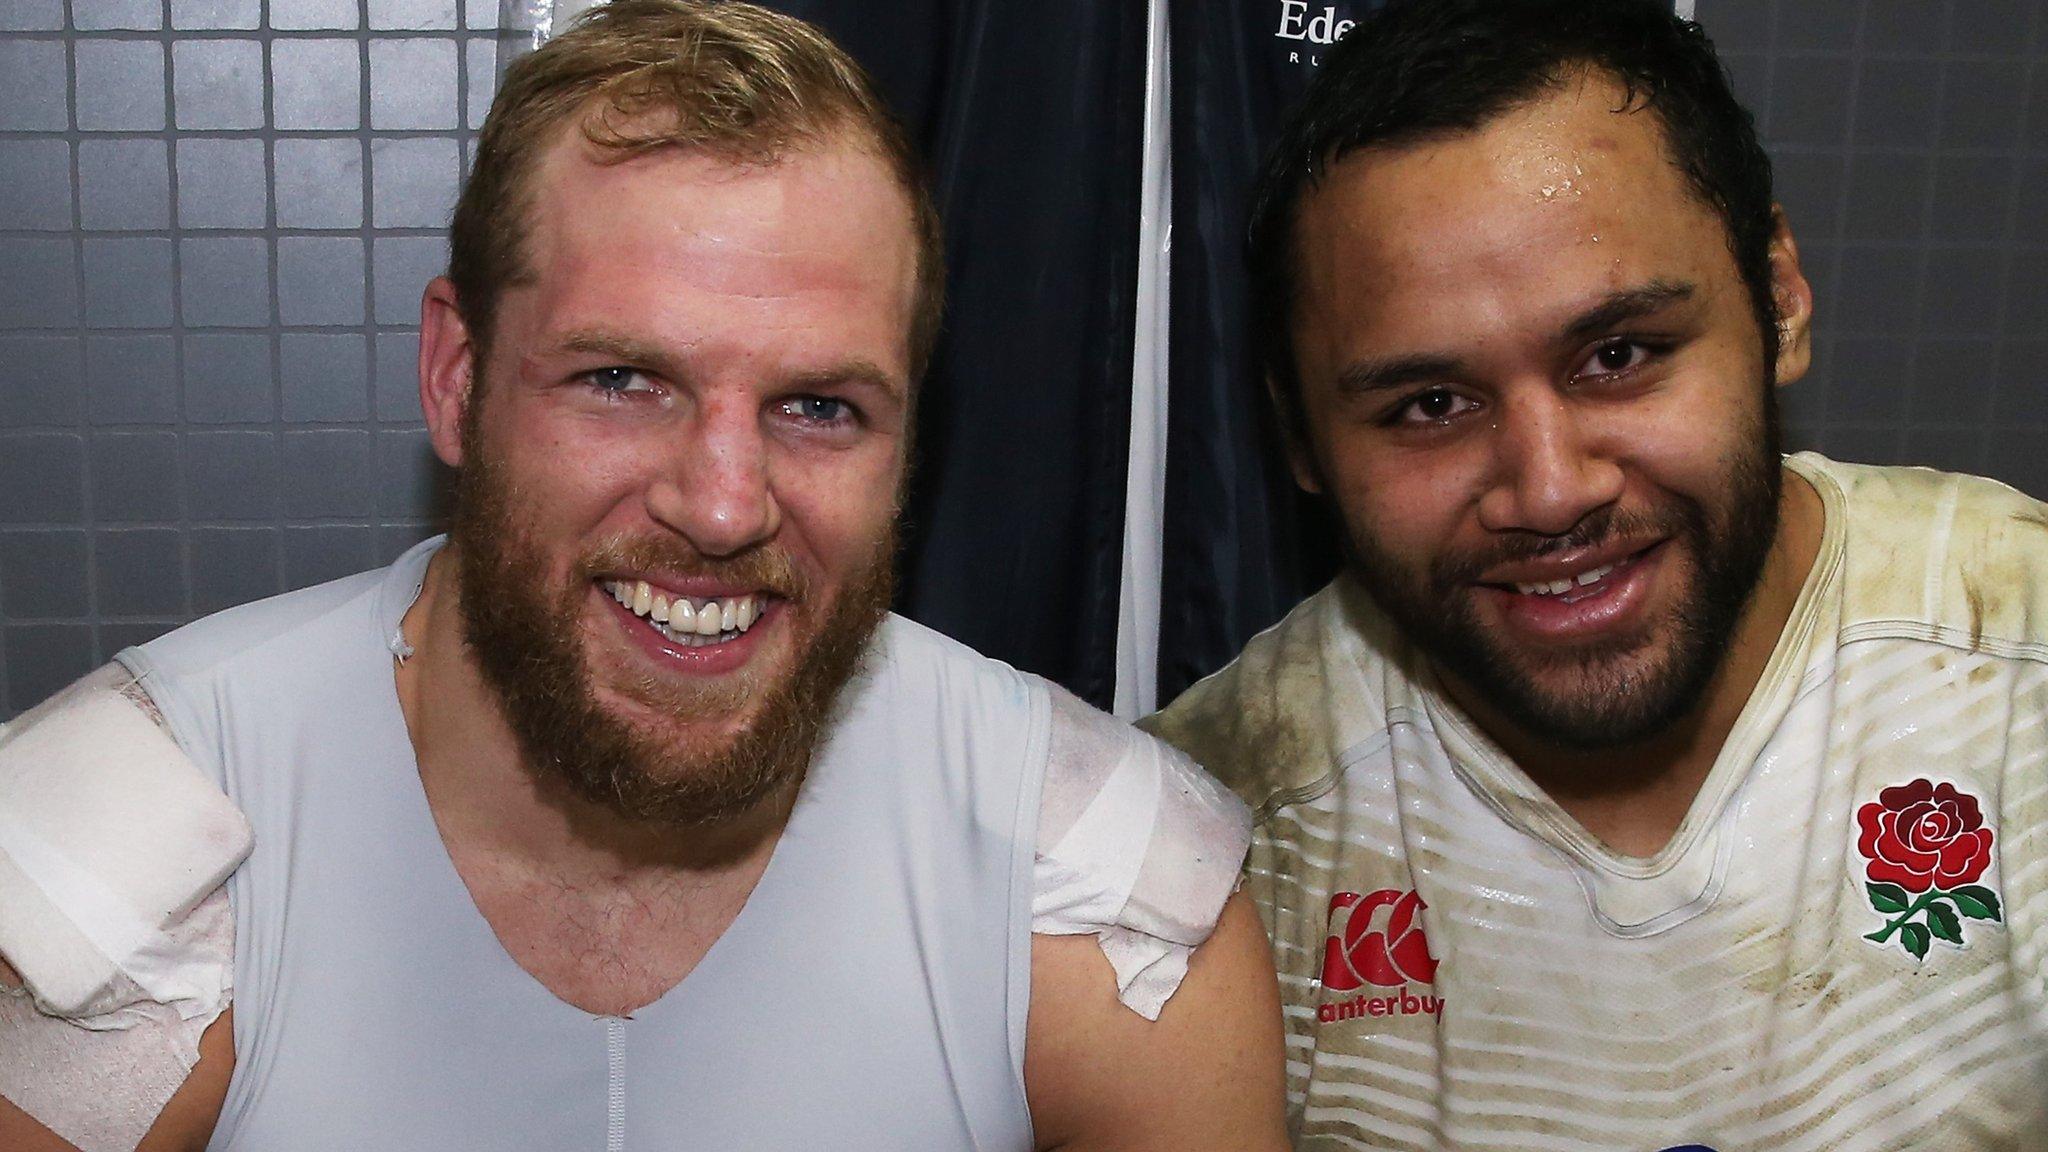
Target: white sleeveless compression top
870,995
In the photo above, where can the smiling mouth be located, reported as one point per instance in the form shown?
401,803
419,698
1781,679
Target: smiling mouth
688,621
1573,587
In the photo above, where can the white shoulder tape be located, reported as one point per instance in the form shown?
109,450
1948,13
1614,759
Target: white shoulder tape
1137,846
101,1090
109,835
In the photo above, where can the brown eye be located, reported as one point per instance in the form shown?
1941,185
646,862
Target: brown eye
1429,406
1614,358
1435,405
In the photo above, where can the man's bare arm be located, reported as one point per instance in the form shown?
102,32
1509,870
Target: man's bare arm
1206,1075
186,1122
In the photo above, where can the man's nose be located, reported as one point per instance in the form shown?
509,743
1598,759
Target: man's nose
716,489
1550,468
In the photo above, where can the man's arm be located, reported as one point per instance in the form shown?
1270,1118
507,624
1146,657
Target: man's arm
115,807
186,1122
1206,1075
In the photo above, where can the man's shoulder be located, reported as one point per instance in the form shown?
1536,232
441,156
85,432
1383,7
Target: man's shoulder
217,641
1136,846
909,652
1277,721
901,640
1939,556
916,675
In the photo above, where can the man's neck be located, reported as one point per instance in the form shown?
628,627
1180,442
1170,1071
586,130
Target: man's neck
605,912
488,803
1633,798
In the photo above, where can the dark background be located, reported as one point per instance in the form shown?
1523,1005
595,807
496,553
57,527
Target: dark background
218,215
1031,117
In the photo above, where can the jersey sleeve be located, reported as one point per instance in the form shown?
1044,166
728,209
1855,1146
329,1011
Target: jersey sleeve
114,848
1136,845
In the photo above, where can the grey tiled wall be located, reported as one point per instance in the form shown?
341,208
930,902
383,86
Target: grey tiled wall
215,220
1911,145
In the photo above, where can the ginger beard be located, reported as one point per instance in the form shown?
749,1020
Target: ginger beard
1624,689
526,632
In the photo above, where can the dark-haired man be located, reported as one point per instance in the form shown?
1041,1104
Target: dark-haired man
627,817
1634,788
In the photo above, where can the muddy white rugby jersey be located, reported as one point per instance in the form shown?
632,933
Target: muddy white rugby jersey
1842,947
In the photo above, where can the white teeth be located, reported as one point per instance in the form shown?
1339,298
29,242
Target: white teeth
691,624
1595,576
1560,587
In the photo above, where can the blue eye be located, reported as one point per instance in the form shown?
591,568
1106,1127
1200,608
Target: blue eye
617,380
819,409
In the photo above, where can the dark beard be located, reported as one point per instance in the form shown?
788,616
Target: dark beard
527,643
1611,706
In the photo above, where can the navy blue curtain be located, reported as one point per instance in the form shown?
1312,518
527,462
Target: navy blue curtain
1242,544
1031,118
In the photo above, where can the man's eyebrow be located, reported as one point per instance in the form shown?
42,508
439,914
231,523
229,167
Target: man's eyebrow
850,374
625,350
620,348
1626,305
1393,372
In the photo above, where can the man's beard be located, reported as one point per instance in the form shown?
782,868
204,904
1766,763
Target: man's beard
527,639
1623,690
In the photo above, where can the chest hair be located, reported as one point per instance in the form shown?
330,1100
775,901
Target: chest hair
609,948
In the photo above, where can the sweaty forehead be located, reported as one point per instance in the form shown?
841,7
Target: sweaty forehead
828,218
1576,185
683,240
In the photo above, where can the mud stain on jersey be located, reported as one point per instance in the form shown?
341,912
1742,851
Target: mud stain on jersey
1275,724
1974,596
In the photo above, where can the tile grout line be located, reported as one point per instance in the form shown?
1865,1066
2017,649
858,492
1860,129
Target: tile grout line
2002,335
276,327
1924,263
178,333
1841,229
367,228
85,487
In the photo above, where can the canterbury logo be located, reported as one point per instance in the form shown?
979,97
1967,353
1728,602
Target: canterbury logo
1376,939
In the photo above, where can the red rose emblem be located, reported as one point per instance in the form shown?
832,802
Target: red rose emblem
1357,953
1924,845
1923,835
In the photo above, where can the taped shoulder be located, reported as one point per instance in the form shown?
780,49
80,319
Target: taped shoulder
1136,845
109,837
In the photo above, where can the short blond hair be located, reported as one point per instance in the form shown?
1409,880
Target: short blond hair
738,81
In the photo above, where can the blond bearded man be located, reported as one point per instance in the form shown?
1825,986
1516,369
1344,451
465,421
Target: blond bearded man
1636,787
627,817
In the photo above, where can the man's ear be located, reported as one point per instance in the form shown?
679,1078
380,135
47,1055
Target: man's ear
447,369
1287,415
1792,300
